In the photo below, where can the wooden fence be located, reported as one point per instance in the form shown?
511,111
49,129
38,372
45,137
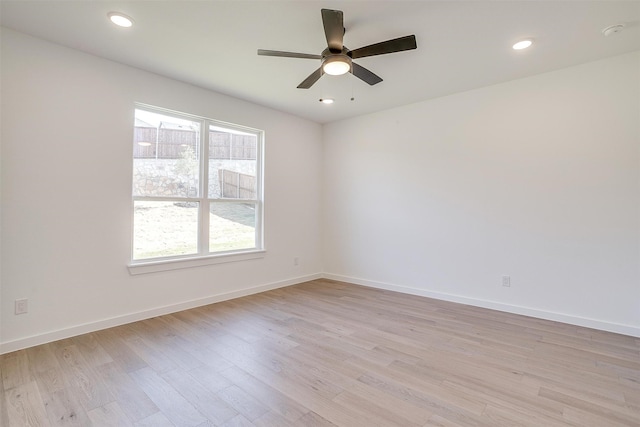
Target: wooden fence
229,146
235,185
154,143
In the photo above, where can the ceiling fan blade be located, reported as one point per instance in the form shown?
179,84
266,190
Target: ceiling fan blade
364,74
309,81
390,46
264,52
333,29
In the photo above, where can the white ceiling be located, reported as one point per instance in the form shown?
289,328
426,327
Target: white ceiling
462,45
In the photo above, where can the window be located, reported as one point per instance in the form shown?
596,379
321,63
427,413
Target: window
197,187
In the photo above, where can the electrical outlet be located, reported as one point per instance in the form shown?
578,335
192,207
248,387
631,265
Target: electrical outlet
506,281
21,306
296,261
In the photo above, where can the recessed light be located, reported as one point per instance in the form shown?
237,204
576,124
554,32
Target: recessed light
120,19
326,100
522,44
144,144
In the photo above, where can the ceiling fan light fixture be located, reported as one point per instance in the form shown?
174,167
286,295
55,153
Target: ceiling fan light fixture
336,65
120,19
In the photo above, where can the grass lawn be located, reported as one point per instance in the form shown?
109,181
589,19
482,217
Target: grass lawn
168,229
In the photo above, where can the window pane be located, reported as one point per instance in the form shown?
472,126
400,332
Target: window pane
164,229
232,164
232,226
165,156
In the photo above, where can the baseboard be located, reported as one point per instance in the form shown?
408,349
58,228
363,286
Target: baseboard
7,347
526,311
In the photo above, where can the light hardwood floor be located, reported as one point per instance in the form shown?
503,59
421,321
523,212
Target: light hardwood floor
327,353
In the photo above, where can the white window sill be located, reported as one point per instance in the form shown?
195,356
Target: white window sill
142,267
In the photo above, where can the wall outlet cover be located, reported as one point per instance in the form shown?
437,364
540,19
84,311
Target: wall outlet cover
21,306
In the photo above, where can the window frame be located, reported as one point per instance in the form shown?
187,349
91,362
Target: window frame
203,256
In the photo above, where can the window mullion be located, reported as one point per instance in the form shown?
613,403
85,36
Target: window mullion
203,237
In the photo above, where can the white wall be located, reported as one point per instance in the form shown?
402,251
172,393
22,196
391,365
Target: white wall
67,134
537,178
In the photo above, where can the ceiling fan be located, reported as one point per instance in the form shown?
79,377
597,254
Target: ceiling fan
337,58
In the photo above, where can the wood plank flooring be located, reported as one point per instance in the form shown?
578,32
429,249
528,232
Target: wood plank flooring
327,353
